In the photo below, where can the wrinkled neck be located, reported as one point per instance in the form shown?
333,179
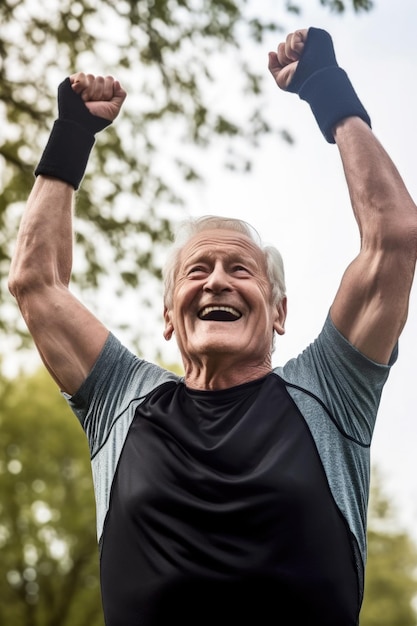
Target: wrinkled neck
212,372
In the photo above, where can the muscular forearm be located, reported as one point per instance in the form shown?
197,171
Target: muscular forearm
43,254
371,306
86,105
384,210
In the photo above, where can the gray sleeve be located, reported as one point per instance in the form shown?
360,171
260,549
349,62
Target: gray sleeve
338,391
118,382
347,383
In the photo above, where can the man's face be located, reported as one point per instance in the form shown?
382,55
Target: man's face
222,300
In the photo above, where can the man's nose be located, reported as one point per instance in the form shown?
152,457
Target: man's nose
218,280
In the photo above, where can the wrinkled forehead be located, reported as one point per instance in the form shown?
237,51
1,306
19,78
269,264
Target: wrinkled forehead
221,243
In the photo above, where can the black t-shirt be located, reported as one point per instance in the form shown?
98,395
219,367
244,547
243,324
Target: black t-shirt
221,513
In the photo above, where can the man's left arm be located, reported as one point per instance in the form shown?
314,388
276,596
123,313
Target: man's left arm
371,305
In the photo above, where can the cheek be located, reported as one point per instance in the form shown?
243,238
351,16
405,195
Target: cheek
183,302
265,294
181,296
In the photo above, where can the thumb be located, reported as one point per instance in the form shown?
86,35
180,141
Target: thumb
119,94
274,65
282,74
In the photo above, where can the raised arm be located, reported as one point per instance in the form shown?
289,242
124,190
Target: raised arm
69,338
371,305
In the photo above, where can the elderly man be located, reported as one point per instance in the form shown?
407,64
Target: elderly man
237,494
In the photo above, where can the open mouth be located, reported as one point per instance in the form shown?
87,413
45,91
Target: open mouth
219,314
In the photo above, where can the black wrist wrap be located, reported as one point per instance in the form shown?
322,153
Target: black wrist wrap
71,139
324,85
66,153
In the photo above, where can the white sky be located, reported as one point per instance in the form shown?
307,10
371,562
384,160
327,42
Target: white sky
297,199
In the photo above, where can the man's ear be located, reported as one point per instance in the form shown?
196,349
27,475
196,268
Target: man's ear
169,326
280,316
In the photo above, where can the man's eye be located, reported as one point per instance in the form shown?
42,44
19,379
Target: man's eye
197,269
240,268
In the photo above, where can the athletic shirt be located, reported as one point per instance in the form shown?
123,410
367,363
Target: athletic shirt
245,505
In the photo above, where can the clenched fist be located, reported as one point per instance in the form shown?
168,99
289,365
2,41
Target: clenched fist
102,95
284,62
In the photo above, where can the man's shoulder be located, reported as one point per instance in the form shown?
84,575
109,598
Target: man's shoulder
119,373
332,355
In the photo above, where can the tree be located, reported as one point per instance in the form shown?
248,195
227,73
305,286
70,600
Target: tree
391,583
49,555
166,52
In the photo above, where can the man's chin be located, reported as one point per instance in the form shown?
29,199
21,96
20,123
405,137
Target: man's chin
215,338
219,345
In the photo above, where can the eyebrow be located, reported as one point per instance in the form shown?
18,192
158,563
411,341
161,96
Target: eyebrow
206,256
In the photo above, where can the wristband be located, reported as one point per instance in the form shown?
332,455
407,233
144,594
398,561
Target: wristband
71,139
326,87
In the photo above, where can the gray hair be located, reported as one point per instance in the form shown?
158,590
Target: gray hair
192,226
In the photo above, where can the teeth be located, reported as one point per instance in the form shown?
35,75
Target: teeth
227,309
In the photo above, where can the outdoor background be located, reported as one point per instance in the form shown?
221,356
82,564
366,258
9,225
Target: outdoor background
287,183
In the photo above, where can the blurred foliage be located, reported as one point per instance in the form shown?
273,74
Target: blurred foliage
339,6
48,545
391,573
169,55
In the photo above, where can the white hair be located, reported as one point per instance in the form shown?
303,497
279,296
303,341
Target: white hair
192,226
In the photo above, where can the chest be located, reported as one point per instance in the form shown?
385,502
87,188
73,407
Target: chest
224,497
245,461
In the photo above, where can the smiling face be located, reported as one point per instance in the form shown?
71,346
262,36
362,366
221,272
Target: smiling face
222,306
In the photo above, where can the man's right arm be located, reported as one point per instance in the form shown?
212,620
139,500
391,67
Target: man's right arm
69,338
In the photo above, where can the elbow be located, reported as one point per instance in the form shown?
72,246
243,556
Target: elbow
407,238
396,233
34,276
26,281
20,283
14,281
35,294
